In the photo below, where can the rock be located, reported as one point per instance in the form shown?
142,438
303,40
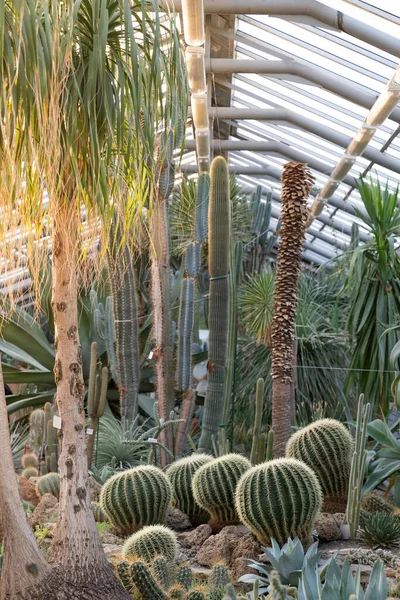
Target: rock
248,547
193,540
27,491
107,537
47,508
112,550
327,527
177,520
219,547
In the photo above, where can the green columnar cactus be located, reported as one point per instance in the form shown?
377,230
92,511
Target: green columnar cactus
184,576
279,499
124,305
137,497
49,484
161,571
255,456
145,582
181,475
219,215
30,472
375,503
270,445
29,460
124,575
96,399
234,282
263,239
357,470
185,330
43,467
214,486
98,513
53,463
152,541
36,429
104,328
218,580
326,447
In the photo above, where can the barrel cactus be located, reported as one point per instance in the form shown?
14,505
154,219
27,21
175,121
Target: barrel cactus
135,498
98,513
152,541
279,499
326,447
49,484
30,472
181,475
214,486
29,459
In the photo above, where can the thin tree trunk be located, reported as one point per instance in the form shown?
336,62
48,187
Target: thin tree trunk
77,547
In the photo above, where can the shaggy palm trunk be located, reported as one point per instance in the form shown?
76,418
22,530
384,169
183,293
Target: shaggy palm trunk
296,184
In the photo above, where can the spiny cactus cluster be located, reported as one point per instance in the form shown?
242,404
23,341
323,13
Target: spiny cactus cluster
181,475
151,541
279,499
214,486
326,447
137,497
49,484
375,503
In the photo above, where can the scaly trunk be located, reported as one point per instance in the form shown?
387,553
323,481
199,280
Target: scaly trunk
296,184
76,548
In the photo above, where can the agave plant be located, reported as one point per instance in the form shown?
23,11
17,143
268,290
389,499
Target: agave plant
381,530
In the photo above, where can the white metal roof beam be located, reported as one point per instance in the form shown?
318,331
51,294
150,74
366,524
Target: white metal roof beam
309,12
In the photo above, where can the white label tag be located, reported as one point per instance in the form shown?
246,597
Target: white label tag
57,422
153,440
89,431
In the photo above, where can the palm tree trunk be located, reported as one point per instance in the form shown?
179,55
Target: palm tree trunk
296,184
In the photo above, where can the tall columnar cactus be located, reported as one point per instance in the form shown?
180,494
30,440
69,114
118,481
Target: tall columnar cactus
258,445
96,399
296,184
357,470
258,249
104,327
219,226
36,429
48,484
137,497
124,305
181,475
214,486
326,447
279,499
152,541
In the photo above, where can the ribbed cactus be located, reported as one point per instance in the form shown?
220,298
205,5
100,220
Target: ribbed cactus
326,447
214,486
137,497
257,452
96,398
263,240
49,484
152,541
279,499
30,472
218,580
124,574
219,217
124,305
104,328
375,503
162,571
36,429
145,582
98,513
29,460
43,468
181,475
184,576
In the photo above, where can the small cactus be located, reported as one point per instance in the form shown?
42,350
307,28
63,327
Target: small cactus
184,576
375,503
98,513
137,497
152,541
195,595
29,460
214,486
279,499
181,475
49,484
326,447
161,571
177,592
30,472
43,467
145,582
218,580
124,575
36,429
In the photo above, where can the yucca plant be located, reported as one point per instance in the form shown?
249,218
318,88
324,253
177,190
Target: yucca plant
373,289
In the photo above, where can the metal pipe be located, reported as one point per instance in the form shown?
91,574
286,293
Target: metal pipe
283,68
307,12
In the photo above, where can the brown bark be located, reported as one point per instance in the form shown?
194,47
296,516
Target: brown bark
296,184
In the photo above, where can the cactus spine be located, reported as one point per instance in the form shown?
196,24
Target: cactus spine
357,469
161,570
326,447
219,214
258,449
181,475
49,484
124,305
152,541
184,576
218,580
36,429
97,398
145,582
279,499
214,486
137,497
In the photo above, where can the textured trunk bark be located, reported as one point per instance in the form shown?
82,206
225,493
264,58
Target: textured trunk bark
76,548
281,414
162,319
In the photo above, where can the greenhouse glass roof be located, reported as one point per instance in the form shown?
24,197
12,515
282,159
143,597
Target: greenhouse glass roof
309,93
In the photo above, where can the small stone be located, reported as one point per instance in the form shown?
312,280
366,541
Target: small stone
219,547
195,539
177,520
46,509
27,491
327,527
112,550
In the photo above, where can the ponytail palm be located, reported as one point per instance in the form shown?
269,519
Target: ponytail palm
85,87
